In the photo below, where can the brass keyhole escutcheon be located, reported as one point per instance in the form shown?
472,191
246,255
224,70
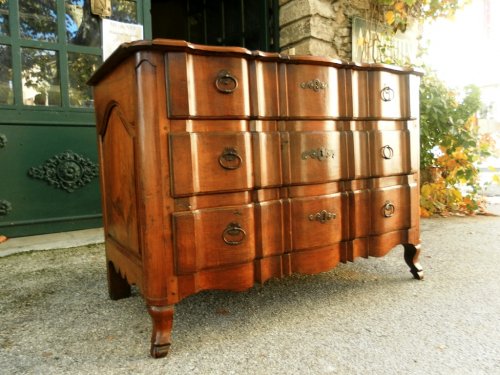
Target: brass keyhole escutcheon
314,84
322,216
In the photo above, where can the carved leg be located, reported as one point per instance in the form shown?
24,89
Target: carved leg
411,255
163,317
118,286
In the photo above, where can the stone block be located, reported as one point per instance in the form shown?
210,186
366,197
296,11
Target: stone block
312,46
292,33
343,31
293,11
322,8
322,28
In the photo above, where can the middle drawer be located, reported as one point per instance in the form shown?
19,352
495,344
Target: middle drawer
315,157
209,162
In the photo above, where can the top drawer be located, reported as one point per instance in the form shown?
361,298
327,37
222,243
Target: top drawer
313,91
381,95
207,86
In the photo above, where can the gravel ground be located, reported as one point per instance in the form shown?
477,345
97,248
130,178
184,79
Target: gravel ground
366,317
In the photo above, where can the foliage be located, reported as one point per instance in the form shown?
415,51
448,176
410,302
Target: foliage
451,148
397,13
451,145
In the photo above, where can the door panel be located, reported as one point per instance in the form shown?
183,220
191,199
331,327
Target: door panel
48,152
49,179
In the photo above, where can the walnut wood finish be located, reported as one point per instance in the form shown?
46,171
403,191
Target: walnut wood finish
222,167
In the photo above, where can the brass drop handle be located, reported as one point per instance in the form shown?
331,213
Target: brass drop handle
387,152
387,94
322,216
230,159
225,82
388,209
234,234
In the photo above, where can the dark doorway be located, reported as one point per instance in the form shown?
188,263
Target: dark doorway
252,24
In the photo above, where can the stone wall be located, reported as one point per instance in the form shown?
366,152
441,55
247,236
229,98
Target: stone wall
319,27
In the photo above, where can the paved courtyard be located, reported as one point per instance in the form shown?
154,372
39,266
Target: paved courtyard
366,317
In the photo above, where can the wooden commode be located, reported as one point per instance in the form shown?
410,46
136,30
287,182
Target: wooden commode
222,167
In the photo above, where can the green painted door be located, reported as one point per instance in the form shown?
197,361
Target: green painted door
48,154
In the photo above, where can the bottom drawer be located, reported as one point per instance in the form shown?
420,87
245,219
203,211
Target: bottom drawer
213,237
391,208
318,221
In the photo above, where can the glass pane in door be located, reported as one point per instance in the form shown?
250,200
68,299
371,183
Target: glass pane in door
40,77
38,20
124,11
80,68
82,27
6,93
4,17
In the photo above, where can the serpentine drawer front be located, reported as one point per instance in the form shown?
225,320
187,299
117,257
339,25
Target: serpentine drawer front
210,161
222,167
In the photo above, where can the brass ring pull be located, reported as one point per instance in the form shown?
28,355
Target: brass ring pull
230,159
322,216
387,94
387,152
233,234
388,209
225,82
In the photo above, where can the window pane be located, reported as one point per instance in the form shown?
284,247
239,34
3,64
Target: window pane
40,74
4,17
124,11
38,19
214,26
6,93
81,67
82,27
196,21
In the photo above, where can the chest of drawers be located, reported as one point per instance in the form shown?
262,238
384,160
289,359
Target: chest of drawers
222,167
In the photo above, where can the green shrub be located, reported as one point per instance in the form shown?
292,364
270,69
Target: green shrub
451,148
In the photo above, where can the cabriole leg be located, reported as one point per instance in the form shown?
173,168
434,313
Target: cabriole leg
411,254
118,286
162,317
